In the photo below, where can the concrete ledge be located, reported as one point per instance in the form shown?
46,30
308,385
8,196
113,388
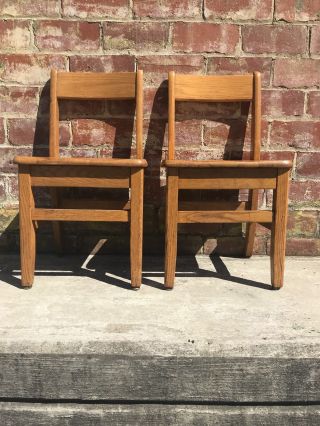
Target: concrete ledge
23,414
220,336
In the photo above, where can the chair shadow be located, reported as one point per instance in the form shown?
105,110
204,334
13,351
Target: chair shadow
115,270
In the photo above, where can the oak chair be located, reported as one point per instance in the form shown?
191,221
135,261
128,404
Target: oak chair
56,172
253,174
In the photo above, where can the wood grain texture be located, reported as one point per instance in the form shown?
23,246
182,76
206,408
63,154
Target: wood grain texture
81,215
206,164
171,116
278,233
171,227
82,85
27,230
139,114
159,378
102,162
212,205
54,117
136,227
224,216
85,176
99,414
217,88
227,178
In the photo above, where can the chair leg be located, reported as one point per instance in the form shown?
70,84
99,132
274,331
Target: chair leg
136,227
27,229
56,226
251,227
171,227
279,225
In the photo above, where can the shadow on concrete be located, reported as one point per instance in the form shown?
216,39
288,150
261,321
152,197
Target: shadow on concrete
115,271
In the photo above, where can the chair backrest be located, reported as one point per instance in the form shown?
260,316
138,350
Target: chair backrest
94,86
218,88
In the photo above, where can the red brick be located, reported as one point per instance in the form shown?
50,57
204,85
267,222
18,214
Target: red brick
304,192
188,133
135,35
19,99
29,69
286,39
303,247
102,132
315,40
2,134
238,10
29,8
225,246
208,110
156,68
313,106
308,164
6,158
205,37
277,155
302,223
297,72
276,103
67,35
226,132
296,134
293,10
167,8
26,131
102,63
155,102
95,9
241,66
14,35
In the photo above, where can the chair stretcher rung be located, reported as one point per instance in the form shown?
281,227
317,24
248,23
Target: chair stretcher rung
81,215
224,216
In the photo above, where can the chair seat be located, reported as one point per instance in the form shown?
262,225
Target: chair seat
227,163
109,162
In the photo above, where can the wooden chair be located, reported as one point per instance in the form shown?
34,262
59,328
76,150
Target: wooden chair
56,172
253,174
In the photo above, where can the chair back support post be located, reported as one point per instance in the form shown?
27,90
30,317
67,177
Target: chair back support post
54,116
256,117
139,114
171,116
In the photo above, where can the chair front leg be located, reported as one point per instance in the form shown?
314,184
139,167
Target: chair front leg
27,228
171,227
136,227
279,225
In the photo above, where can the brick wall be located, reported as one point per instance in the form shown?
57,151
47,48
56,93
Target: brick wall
280,38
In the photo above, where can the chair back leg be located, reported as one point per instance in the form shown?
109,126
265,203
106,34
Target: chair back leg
171,227
27,228
279,225
136,226
56,226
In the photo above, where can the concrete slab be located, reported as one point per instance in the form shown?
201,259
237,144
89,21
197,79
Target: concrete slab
221,336
219,307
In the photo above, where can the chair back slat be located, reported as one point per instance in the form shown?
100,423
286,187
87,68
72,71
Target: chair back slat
79,85
220,88
94,86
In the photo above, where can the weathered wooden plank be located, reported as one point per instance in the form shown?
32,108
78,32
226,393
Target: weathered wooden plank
227,178
81,215
224,216
159,378
30,414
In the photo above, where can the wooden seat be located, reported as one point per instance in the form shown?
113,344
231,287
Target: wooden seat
55,172
253,174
